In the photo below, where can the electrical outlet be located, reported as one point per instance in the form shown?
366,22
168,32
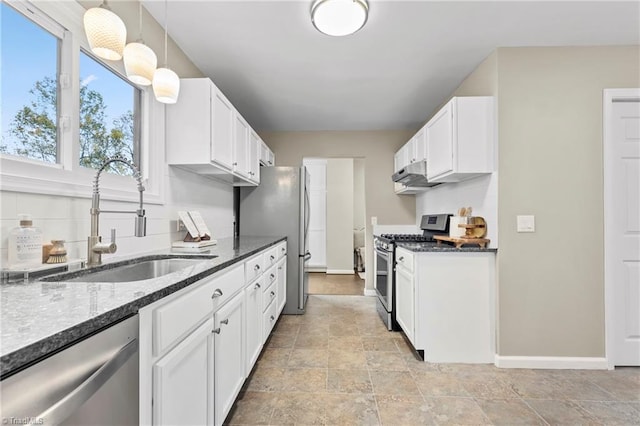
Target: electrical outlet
526,223
180,226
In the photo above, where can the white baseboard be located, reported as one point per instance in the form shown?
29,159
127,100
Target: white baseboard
341,271
369,292
316,269
552,362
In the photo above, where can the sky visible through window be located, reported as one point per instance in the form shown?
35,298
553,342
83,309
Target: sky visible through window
29,54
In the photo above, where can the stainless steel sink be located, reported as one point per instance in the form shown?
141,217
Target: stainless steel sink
143,268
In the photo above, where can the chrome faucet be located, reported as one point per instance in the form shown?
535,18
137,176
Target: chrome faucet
95,246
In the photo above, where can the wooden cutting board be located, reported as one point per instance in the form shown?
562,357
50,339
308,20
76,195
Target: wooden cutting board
459,242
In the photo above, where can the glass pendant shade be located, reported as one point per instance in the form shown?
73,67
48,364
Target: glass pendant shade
339,17
140,63
166,86
106,33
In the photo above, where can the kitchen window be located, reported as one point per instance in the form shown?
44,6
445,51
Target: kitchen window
64,111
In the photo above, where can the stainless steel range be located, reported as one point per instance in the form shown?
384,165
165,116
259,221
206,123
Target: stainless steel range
385,262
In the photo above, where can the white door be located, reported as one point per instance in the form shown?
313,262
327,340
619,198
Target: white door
439,134
222,130
182,391
622,226
318,212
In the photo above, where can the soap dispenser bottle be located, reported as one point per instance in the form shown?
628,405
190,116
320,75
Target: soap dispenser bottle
25,244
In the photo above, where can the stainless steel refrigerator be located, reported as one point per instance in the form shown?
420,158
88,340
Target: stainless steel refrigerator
279,206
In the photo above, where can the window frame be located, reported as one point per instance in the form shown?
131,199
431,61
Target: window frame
67,177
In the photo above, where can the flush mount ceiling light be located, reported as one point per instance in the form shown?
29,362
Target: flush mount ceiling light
166,83
140,61
105,31
339,17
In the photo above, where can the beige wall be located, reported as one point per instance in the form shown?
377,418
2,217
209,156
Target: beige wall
376,148
551,295
358,194
152,34
339,215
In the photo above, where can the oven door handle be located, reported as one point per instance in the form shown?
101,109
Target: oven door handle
383,252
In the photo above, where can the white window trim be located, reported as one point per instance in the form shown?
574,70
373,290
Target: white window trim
24,175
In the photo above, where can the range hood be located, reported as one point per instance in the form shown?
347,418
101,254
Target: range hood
414,174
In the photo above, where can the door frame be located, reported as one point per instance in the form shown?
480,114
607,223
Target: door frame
609,96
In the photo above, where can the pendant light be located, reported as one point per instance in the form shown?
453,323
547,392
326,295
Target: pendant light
166,83
140,61
339,17
105,31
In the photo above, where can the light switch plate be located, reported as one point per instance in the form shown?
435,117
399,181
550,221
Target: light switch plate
374,220
526,223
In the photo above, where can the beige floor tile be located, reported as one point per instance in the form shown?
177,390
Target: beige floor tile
456,411
299,408
290,319
274,357
308,358
620,387
311,342
557,412
613,412
286,328
348,329
281,341
349,381
351,410
350,343
343,359
486,386
469,368
532,386
404,410
393,383
314,328
385,361
436,383
265,379
385,344
252,408
304,380
578,388
509,412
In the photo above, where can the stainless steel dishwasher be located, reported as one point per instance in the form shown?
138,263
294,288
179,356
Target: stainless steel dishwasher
93,382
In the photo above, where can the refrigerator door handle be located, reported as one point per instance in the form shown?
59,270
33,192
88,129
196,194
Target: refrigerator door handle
307,256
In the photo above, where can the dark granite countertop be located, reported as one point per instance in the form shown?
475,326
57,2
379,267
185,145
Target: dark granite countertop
39,317
443,248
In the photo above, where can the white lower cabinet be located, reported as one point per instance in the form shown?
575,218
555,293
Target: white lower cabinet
182,381
282,284
228,355
445,304
253,322
198,345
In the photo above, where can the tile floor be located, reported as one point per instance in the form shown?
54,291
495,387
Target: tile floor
321,283
338,365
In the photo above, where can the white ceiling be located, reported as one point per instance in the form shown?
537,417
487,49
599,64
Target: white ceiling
282,74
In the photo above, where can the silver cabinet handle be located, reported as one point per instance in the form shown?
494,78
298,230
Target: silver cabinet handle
272,294
216,293
272,257
272,318
257,285
272,276
257,267
279,268
216,330
62,409
225,321
401,259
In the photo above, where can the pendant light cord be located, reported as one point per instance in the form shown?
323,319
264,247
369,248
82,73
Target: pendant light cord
166,64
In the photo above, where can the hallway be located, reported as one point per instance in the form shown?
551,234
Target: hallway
321,283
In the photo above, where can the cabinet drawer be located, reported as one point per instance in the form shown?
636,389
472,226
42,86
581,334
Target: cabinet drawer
282,249
269,295
173,320
271,257
254,268
269,320
404,258
271,275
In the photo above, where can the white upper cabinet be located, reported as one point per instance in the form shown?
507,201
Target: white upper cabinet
460,140
206,134
266,155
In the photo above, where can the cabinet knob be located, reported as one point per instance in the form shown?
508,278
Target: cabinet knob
216,330
216,293
272,294
280,268
257,285
401,259
272,276
272,257
257,267
272,317
225,321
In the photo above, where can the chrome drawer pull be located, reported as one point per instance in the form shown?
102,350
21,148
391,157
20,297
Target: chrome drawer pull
255,268
257,285
216,293
272,276
225,321
216,330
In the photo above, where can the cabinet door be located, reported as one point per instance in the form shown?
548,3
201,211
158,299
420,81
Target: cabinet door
241,146
254,156
440,142
253,323
282,284
228,355
420,145
183,381
405,302
221,130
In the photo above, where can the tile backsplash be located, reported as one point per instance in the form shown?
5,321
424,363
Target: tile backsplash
68,218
